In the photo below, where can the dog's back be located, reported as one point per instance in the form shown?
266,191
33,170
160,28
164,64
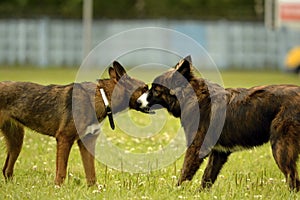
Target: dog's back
35,106
251,112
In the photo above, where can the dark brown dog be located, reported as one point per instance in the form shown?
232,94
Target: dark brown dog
229,120
59,111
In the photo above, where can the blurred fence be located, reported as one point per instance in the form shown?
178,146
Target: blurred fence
49,42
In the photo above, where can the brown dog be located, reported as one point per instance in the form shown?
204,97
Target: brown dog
58,111
229,120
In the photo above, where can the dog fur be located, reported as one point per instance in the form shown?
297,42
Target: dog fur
251,117
49,110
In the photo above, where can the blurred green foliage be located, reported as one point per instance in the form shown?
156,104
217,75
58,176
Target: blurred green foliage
137,9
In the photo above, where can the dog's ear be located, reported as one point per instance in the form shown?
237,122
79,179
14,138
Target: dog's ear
188,58
112,74
120,71
184,67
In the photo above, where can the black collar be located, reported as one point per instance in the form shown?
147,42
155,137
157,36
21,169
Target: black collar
108,109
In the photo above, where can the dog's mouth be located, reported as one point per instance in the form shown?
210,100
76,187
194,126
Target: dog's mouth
146,110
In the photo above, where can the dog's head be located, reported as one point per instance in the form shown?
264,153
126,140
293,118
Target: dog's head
126,89
168,88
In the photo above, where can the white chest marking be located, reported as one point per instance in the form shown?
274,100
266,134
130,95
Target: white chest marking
93,129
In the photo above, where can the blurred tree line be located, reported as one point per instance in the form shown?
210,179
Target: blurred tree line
136,9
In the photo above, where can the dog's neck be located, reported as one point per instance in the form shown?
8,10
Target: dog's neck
109,86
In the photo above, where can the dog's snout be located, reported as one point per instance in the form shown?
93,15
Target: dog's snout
142,100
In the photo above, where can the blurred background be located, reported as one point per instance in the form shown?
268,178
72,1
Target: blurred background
248,34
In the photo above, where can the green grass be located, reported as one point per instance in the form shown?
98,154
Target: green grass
249,174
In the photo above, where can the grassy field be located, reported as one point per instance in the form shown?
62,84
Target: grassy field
249,174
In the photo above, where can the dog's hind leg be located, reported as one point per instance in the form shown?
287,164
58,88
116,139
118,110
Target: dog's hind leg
64,145
191,164
214,166
87,151
13,134
285,149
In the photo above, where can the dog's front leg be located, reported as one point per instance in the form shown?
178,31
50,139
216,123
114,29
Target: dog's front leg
64,144
191,164
87,151
214,165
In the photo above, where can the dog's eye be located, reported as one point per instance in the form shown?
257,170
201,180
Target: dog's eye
156,93
145,88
